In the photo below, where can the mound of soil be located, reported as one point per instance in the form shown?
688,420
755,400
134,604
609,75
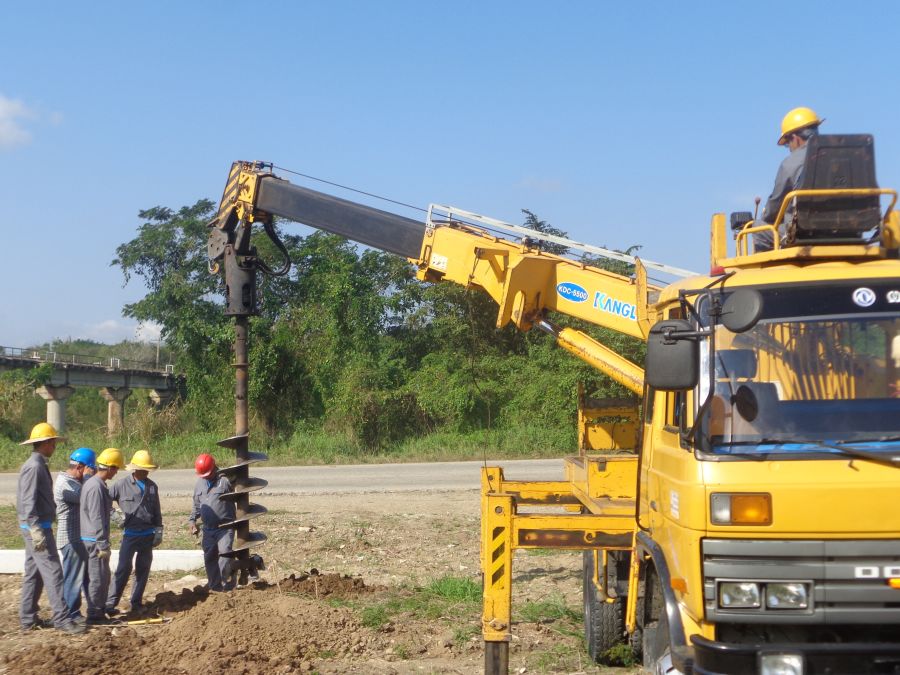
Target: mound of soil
318,585
255,630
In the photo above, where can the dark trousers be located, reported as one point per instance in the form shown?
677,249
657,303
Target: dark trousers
74,564
215,543
140,551
98,582
42,570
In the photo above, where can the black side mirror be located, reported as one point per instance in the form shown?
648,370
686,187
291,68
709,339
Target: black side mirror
742,310
746,403
739,219
673,361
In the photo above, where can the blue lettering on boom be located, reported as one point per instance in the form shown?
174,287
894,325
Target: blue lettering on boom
612,306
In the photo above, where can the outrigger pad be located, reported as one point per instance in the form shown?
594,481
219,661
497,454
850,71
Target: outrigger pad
836,162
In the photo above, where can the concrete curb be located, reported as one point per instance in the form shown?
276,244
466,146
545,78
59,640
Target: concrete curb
12,561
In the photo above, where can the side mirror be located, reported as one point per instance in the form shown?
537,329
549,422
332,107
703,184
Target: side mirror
673,363
742,310
739,219
746,403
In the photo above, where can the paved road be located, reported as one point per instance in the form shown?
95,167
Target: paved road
356,478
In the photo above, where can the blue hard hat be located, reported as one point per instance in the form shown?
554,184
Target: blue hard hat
84,456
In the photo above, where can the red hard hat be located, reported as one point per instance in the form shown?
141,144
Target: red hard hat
205,465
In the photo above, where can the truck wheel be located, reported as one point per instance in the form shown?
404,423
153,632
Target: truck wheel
604,622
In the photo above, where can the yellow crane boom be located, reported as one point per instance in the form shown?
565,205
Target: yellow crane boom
525,281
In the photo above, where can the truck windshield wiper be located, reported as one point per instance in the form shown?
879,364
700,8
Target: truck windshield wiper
840,446
889,460
859,453
876,439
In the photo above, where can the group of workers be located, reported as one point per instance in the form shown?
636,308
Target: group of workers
77,559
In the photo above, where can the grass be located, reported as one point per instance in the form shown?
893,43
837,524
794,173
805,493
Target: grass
620,655
462,634
178,451
452,600
557,658
554,608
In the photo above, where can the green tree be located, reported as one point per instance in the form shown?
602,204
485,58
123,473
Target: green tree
535,223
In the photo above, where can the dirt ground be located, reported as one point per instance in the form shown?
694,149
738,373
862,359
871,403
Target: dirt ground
362,610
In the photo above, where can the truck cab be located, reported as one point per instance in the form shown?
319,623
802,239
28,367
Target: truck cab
767,535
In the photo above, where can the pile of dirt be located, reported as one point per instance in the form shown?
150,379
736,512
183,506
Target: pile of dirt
255,630
318,585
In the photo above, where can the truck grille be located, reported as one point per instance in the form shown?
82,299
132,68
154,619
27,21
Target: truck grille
849,579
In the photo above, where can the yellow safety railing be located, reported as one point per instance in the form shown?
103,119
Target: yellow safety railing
750,227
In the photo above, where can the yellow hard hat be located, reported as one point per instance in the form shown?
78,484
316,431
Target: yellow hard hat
111,457
42,432
796,119
141,460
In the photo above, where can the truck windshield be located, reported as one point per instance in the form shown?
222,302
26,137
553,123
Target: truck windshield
818,375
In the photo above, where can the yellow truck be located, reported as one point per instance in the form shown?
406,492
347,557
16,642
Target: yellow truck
740,515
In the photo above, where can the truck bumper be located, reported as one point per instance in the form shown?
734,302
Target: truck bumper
719,658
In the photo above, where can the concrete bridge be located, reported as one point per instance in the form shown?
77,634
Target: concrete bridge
115,378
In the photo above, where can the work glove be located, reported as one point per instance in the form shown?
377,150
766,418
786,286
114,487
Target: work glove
195,529
38,538
103,554
157,536
117,518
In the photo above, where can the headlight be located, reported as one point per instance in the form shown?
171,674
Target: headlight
736,594
787,596
728,508
781,664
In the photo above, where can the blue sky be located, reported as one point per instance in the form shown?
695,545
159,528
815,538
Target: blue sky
622,123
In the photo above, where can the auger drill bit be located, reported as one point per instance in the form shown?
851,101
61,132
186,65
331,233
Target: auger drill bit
240,282
229,246
243,563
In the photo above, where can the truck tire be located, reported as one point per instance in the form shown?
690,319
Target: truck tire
604,622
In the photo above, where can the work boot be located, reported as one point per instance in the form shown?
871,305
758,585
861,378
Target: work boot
112,611
39,624
73,628
102,621
138,610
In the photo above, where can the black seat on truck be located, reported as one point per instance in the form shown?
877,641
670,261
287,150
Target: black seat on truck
832,162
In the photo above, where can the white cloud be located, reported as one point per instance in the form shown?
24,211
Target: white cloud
149,331
111,331
536,184
12,115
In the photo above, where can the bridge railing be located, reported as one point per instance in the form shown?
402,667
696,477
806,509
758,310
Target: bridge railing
111,362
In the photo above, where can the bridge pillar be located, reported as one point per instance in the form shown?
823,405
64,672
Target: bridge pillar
115,418
160,398
56,404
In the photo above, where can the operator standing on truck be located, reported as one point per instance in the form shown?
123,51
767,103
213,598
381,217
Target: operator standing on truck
35,510
797,127
138,497
96,505
213,510
67,495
